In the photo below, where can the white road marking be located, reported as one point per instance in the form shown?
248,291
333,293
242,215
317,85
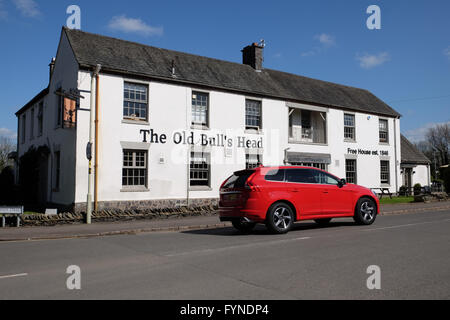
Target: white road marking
407,225
14,276
264,243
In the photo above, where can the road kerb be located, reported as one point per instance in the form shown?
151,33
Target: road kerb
181,228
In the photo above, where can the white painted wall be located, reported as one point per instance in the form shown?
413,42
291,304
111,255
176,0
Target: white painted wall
65,75
170,111
421,174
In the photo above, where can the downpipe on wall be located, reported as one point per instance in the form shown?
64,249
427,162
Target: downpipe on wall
91,131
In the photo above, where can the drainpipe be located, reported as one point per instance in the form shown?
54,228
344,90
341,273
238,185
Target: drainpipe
97,107
188,156
91,130
396,159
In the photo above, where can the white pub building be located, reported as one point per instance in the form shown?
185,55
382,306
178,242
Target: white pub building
170,127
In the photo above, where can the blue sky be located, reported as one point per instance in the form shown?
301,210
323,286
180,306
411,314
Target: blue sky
406,63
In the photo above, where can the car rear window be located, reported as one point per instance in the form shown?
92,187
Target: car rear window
238,179
275,175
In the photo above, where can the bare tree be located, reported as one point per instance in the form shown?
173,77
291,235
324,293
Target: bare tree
438,138
6,147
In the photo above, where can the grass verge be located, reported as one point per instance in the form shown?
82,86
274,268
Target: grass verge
396,200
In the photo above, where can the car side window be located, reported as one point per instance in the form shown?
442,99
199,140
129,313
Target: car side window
325,178
275,175
301,176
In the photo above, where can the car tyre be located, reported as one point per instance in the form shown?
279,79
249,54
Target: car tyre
365,212
323,222
280,218
243,226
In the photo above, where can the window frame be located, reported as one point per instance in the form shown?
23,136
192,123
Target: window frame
59,109
316,165
40,118
248,126
385,173
194,155
200,125
134,166
346,126
24,128
136,101
308,140
355,171
381,120
32,116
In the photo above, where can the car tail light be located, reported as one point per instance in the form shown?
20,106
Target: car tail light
250,185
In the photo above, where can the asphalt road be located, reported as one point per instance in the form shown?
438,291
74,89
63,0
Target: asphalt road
412,251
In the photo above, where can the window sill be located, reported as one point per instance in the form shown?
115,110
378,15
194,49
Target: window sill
138,122
253,131
350,141
135,189
385,144
385,185
200,188
199,127
307,143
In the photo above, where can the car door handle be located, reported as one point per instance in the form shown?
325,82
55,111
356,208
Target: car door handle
325,192
294,190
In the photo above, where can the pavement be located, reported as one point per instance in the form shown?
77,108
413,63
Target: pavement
410,251
175,224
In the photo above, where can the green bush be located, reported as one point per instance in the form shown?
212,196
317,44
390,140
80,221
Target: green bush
417,189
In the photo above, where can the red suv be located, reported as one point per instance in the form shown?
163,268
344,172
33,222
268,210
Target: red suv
279,196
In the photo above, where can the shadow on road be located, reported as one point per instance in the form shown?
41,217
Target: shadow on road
262,230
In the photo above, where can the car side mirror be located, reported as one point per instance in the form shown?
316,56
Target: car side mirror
342,183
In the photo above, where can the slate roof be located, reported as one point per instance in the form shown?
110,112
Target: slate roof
33,101
410,154
136,59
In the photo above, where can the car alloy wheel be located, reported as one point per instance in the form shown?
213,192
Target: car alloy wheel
280,218
366,211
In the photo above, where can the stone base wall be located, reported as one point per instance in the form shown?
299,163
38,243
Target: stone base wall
149,206
127,211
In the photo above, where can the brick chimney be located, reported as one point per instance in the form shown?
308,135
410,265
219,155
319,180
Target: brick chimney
253,56
51,67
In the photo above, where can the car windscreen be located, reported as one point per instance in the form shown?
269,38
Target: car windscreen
238,179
